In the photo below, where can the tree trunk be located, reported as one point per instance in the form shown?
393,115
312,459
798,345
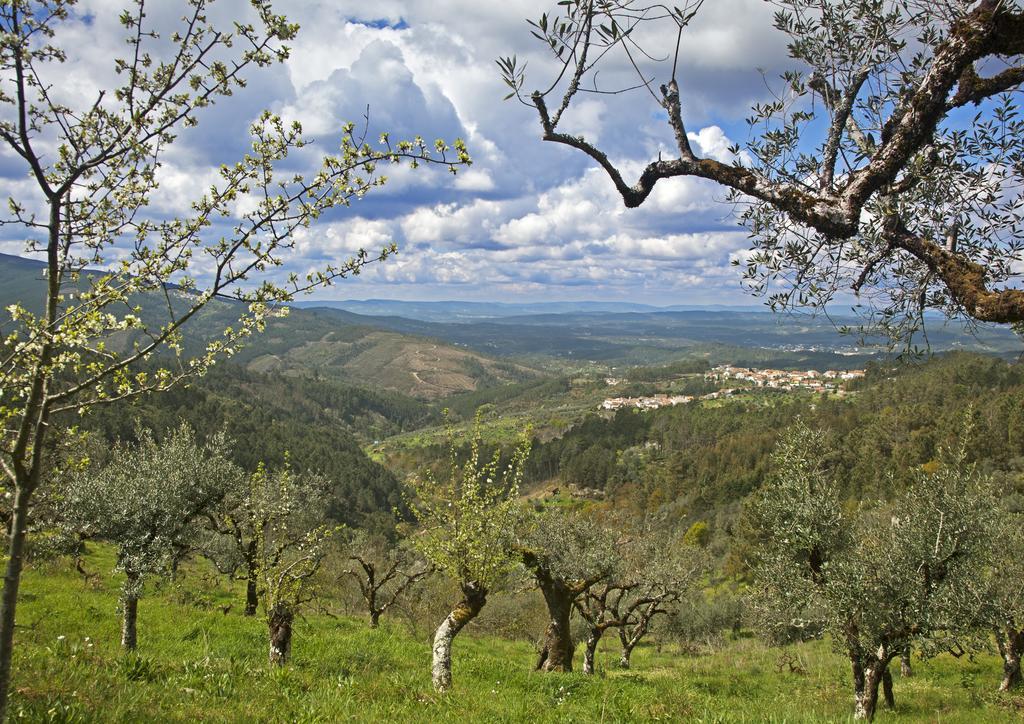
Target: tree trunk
590,651
1011,646
557,637
474,597
279,622
374,618
890,700
905,669
9,598
252,577
866,696
129,621
252,598
627,649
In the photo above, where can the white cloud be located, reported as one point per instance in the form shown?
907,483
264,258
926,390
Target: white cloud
528,217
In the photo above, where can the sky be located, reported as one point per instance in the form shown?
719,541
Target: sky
529,221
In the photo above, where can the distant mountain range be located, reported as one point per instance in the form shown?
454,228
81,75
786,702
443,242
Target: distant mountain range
433,349
463,311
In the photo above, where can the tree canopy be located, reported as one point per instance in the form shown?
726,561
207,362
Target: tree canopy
886,163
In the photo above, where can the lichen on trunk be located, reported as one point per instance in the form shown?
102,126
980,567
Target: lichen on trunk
591,650
129,622
867,679
1011,648
474,596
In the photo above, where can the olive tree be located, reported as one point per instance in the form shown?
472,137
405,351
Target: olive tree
93,168
568,553
665,571
468,520
878,580
654,571
383,572
1001,598
886,163
147,500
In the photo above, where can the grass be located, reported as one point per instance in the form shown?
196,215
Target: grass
196,663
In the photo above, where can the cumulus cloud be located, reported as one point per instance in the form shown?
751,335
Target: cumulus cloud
528,218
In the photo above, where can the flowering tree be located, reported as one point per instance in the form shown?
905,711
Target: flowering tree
468,521
233,526
94,171
289,542
147,500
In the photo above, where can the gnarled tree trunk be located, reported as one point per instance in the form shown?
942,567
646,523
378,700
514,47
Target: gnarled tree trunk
279,624
474,596
906,671
866,680
628,644
627,652
866,697
1011,648
558,645
890,700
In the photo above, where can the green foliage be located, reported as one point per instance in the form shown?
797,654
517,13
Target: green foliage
147,499
877,581
270,418
469,518
570,547
204,665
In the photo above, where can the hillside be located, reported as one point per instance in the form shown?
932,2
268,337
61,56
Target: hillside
198,663
316,425
332,345
311,343
656,337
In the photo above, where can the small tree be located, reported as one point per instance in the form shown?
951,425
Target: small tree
234,525
146,501
468,530
601,608
93,169
290,542
383,572
1001,597
665,571
568,553
877,581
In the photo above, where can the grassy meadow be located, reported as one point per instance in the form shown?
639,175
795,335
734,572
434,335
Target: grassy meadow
197,663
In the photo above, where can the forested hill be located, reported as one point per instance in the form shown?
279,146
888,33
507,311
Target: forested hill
268,417
329,344
694,463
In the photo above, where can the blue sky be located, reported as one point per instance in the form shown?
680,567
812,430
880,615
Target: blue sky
529,221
